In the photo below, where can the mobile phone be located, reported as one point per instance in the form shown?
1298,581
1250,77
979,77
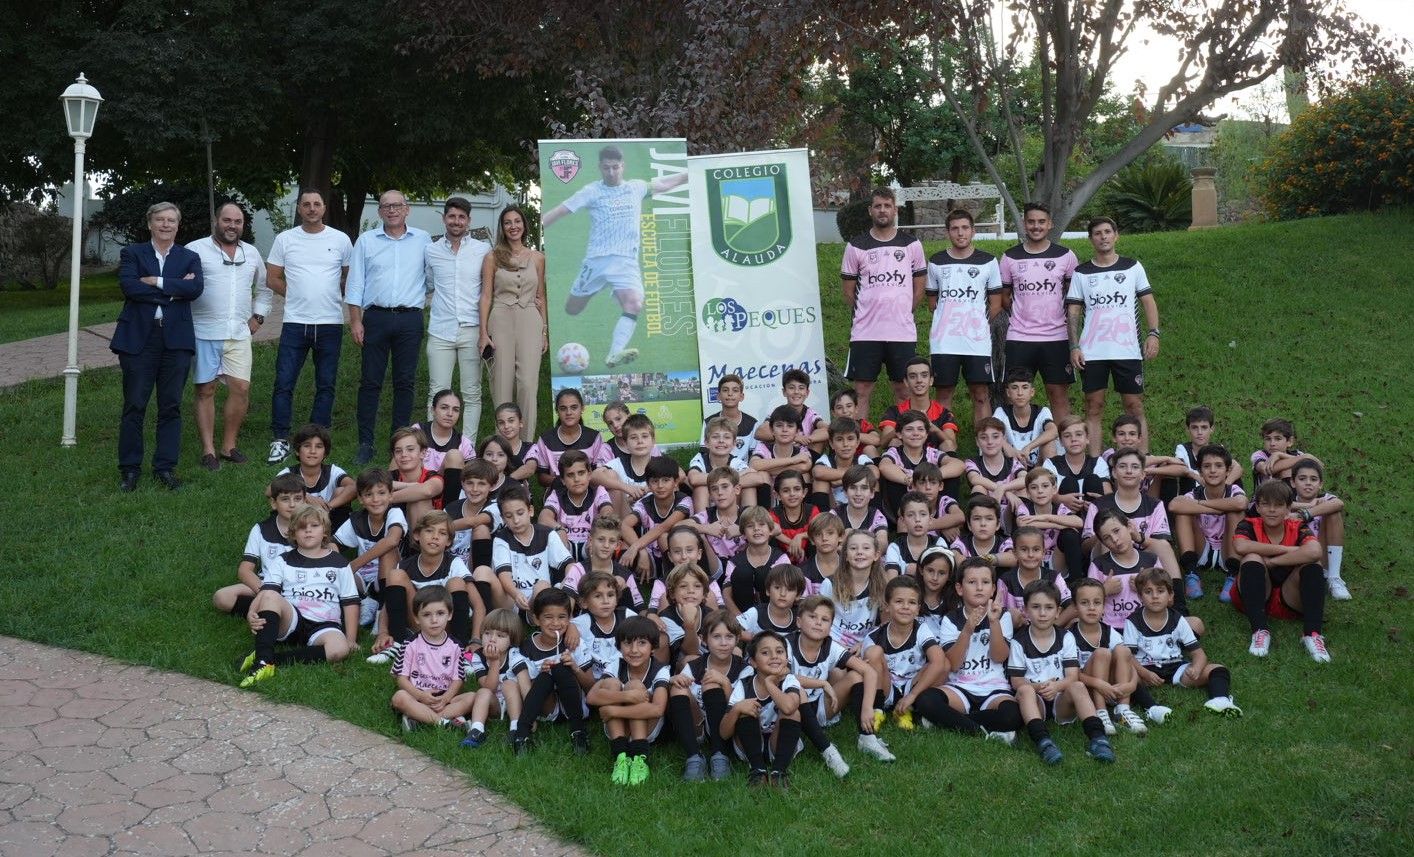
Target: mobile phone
488,352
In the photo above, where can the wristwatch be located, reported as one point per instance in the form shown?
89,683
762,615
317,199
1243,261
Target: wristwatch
1154,332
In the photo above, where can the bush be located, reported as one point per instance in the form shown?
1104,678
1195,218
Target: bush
1351,152
1152,197
124,216
853,218
34,246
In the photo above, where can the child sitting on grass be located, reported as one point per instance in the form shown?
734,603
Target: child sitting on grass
1166,648
1324,514
496,667
632,702
267,541
325,485
429,668
1281,575
1106,664
697,700
764,719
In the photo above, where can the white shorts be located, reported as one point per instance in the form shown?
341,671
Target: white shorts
620,273
218,357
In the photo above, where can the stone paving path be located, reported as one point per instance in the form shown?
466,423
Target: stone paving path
98,757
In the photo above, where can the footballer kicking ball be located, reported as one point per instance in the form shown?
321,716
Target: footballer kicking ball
573,358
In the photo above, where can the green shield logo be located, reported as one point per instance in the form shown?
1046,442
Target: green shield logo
749,212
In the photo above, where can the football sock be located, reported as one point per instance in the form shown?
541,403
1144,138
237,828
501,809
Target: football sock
856,703
242,607
1004,718
1180,596
810,725
1252,585
480,553
451,485
1189,561
743,590
1142,699
1313,597
483,588
932,705
395,601
787,739
748,735
639,747
570,696
680,715
618,746
1036,730
1070,547
459,628
267,635
950,718
1334,555
1230,565
540,689
1219,683
301,655
714,705
623,332
1093,727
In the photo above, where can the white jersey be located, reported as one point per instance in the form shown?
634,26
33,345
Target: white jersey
330,475
356,533
1036,664
1084,651
614,214
317,588
1110,297
544,557
979,674
265,544
598,646
461,539
907,659
745,687
853,621
313,264
1170,644
832,656
961,287
1018,435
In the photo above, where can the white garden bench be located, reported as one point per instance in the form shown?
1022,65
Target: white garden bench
943,191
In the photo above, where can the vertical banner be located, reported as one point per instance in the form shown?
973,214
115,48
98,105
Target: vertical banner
757,284
618,278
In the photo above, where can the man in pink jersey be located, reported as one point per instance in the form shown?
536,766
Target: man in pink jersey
1035,276
883,275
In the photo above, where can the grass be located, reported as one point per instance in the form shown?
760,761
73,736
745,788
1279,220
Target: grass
26,314
1301,319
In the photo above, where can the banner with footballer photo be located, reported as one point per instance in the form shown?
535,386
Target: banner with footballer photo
618,277
756,282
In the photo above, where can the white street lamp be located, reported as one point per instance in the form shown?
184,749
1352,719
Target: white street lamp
80,110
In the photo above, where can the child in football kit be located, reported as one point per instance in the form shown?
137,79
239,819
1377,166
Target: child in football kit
992,472
918,384
1106,664
645,528
908,659
785,584
845,405
1044,669
897,464
718,452
792,514
623,475
633,701
267,541
1081,477
795,388
827,534
731,390
904,550
325,485
415,488
1324,514
510,429
763,721
717,523
697,700
1146,514
375,532
1060,527
844,452
307,599
474,518
568,432
859,510
496,667
686,546
432,565
683,616
975,637
1278,454
1029,431
1198,422
1281,574
857,590
572,504
448,449
526,557
947,515
936,595
832,678
1205,518
1028,545
1161,638
745,576
983,536
599,623
782,450
552,680
429,669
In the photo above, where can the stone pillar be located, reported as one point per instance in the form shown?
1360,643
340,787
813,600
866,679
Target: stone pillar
1205,198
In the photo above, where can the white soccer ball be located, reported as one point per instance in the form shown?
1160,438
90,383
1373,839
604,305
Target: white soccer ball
573,358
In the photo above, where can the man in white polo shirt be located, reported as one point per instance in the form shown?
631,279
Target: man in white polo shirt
308,265
224,320
453,332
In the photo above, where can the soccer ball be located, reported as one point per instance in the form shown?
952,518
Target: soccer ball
573,358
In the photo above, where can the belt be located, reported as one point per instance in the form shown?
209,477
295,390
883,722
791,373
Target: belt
395,308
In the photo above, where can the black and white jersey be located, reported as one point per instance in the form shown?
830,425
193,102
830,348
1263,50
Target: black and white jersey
512,664
1109,638
979,674
746,687
931,616
461,539
757,619
330,477
702,462
1170,643
855,619
697,670
745,434
1089,479
319,588
905,658
1037,663
676,628
535,653
831,656
265,544
654,674
358,534
898,556
543,557
597,644
1019,433
447,569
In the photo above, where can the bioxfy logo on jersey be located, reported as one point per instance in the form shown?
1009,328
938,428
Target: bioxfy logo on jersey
564,164
749,213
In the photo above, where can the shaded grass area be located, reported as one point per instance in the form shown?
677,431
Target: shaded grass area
1258,322
26,314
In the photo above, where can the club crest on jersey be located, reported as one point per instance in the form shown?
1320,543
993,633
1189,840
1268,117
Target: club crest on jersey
564,164
898,255
748,210
1049,265
1119,278
972,272
330,575
1022,266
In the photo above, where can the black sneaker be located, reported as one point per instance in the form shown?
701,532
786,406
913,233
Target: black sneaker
780,779
580,740
520,746
758,778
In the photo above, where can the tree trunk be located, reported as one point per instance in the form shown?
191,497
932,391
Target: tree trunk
317,158
346,205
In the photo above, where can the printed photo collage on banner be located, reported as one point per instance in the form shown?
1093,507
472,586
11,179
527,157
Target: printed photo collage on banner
665,272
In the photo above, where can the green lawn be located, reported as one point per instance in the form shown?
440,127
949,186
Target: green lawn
39,313
1304,320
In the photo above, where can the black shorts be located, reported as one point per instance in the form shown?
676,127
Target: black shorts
867,356
306,633
1128,376
1051,359
974,369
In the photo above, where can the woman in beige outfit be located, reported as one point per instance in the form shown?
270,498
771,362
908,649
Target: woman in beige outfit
513,310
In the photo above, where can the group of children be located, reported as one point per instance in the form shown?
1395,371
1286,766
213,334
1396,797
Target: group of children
798,572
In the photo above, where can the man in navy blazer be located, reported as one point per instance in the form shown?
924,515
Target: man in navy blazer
155,342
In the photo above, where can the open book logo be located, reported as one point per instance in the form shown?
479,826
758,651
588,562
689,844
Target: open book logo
749,210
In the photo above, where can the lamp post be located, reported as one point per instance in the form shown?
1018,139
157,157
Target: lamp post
80,110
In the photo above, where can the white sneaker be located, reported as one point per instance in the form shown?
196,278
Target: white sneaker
1339,591
279,451
1223,705
1131,720
383,657
408,723
1158,713
1007,738
870,745
1103,716
834,761
1261,644
1316,647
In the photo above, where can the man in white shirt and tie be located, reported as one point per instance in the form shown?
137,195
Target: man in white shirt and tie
231,308
454,276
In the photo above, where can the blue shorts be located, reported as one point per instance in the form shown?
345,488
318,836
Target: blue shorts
221,357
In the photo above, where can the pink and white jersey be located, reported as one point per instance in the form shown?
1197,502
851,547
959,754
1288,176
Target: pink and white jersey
870,520
1011,588
548,449
1121,604
1038,283
431,667
1049,535
649,516
884,271
1315,524
1110,296
577,517
966,545
436,453
1214,527
1150,516
319,588
725,547
961,287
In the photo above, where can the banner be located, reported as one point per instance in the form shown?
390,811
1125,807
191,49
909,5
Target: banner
618,278
757,286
